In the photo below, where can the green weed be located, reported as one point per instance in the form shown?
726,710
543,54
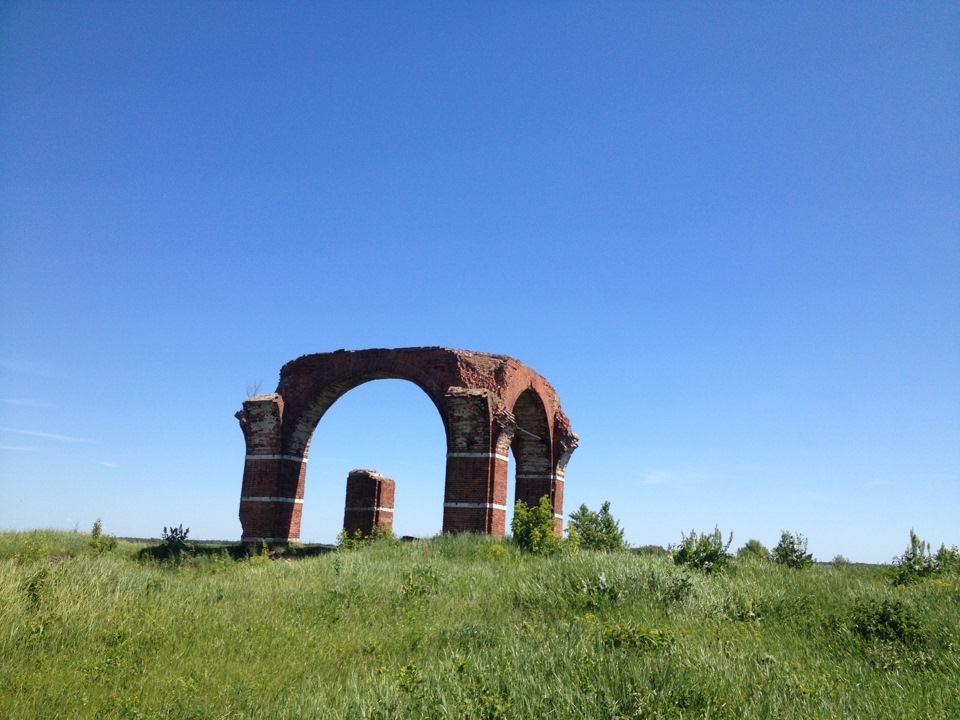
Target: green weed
703,551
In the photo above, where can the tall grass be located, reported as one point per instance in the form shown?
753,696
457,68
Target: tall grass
463,627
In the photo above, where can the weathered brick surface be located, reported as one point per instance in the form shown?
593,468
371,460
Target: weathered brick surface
369,502
489,404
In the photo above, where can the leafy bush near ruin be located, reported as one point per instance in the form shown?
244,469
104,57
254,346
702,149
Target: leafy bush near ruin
533,528
596,530
703,551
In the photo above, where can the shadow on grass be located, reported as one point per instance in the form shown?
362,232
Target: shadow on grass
236,551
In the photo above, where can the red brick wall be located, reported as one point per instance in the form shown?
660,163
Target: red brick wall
489,404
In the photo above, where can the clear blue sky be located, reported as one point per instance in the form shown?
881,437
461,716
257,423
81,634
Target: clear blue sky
727,233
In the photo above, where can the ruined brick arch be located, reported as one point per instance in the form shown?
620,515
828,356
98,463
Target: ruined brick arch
489,404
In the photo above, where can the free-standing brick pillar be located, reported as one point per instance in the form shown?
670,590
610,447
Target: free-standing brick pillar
489,405
369,502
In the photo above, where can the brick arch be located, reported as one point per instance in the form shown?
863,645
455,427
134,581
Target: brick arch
478,397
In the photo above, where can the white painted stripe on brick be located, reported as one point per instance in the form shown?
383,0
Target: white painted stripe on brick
558,478
505,458
291,458
298,501
494,506
381,509
558,517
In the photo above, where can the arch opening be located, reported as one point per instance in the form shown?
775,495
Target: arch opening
387,425
531,446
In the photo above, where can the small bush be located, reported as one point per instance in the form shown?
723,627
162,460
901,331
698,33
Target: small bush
596,530
99,542
600,592
886,620
947,559
35,588
792,551
533,528
669,587
753,549
632,635
703,551
175,539
420,581
357,539
915,564
33,547
650,551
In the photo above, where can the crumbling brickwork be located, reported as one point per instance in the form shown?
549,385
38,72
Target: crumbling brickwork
489,405
369,503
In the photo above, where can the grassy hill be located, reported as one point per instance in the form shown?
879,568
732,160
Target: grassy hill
462,627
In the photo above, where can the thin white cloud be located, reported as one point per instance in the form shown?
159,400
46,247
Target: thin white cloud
45,435
18,447
655,477
108,464
19,402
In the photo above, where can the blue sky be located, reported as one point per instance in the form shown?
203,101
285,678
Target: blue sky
728,234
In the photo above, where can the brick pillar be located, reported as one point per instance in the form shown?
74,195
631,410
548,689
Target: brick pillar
271,498
469,499
369,504
565,444
505,427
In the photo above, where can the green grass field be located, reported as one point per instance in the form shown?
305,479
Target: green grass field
463,627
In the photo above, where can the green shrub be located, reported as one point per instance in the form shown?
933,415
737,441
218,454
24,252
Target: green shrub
175,540
887,620
35,588
916,562
947,559
421,580
34,546
533,528
753,549
650,551
669,587
99,542
356,539
633,635
596,530
703,551
599,593
792,551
